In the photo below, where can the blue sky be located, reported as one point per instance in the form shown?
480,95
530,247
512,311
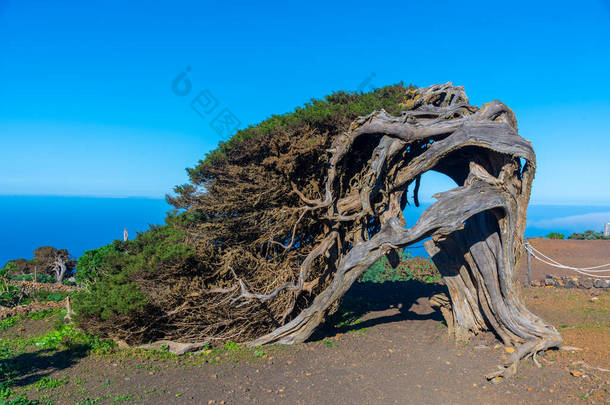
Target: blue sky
87,107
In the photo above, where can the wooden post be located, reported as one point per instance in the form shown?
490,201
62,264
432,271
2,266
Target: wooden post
529,268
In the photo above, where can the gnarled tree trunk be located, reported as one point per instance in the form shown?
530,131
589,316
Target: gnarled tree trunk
476,228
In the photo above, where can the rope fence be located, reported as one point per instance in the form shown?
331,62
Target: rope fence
587,271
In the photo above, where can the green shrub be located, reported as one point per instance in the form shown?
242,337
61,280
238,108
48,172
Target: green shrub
9,295
40,278
588,235
113,295
11,321
47,382
409,268
8,322
44,296
92,262
112,271
381,271
231,346
555,235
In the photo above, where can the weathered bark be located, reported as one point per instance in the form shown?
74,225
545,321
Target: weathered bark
476,228
60,268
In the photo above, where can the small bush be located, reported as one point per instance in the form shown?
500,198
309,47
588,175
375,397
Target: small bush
40,278
9,295
588,235
95,261
9,322
555,235
45,296
231,346
47,382
410,268
122,264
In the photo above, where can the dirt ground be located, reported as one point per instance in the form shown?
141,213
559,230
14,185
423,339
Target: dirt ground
386,346
574,253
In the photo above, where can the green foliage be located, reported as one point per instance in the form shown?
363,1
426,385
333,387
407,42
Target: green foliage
88,401
40,278
111,296
44,295
13,364
555,235
588,235
121,398
92,262
381,271
322,114
66,336
329,343
121,263
5,390
22,400
231,346
11,321
55,338
47,382
8,268
9,295
409,268
43,314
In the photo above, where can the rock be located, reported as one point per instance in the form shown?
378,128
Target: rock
572,283
173,347
601,283
586,283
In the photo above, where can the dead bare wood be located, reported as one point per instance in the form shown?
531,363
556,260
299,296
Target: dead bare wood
60,268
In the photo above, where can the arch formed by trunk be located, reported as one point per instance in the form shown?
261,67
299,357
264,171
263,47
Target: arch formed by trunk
476,229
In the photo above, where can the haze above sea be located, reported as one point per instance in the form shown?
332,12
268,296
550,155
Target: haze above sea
82,223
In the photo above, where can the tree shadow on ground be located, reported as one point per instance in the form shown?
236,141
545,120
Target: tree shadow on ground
363,298
32,366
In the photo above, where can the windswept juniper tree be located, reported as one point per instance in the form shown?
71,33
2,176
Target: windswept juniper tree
278,222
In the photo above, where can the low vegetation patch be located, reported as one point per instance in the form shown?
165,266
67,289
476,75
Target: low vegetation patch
409,268
589,235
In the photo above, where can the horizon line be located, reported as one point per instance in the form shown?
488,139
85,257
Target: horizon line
162,197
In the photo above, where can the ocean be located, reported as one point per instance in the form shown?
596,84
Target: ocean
74,223
82,223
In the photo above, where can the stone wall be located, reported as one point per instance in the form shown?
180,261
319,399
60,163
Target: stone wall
572,282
